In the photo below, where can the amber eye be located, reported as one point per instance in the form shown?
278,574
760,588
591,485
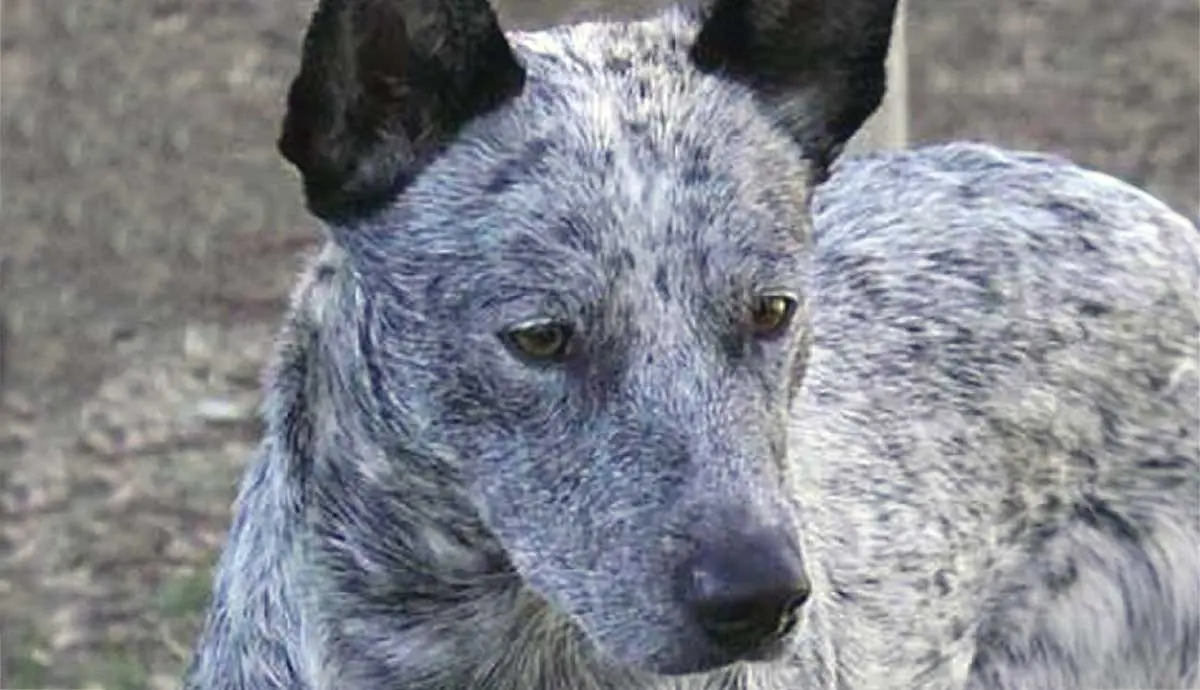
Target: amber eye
770,315
546,341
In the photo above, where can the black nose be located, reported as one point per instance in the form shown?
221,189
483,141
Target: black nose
747,595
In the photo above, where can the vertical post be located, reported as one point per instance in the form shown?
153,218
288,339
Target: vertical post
887,129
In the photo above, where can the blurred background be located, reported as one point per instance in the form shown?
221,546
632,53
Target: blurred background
150,233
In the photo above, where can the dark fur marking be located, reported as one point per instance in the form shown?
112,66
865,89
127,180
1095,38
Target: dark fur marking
511,172
1059,580
662,282
1094,309
1071,213
1096,513
941,582
618,65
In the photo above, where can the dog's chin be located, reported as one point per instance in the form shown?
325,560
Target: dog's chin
705,661
649,662
701,664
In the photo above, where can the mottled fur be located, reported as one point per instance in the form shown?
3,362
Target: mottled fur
983,425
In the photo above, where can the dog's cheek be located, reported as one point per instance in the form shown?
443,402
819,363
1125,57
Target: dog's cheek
495,394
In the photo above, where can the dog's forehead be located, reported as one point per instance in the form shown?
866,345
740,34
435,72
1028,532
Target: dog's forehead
631,91
617,146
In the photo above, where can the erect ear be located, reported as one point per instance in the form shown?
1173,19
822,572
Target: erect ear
383,85
819,64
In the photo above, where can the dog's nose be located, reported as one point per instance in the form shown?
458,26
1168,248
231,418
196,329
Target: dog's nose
747,595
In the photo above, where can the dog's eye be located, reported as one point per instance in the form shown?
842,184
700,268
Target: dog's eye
543,341
770,315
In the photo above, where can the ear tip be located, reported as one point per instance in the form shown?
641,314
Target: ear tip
822,62
382,84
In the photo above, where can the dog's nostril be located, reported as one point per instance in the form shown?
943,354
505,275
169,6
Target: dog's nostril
747,598
746,620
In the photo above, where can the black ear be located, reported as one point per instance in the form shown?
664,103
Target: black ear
383,85
818,63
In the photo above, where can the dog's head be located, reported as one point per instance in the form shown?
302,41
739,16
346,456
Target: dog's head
585,255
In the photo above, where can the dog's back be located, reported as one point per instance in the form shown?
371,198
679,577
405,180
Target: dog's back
1000,426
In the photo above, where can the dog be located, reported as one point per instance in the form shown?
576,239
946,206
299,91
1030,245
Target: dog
613,375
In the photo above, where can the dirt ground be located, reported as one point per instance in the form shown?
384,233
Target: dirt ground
150,232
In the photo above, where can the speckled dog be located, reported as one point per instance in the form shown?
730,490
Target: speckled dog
599,386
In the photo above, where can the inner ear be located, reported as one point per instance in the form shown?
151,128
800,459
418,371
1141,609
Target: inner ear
820,65
383,86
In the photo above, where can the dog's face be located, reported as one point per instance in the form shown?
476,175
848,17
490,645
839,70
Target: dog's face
604,282
591,291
